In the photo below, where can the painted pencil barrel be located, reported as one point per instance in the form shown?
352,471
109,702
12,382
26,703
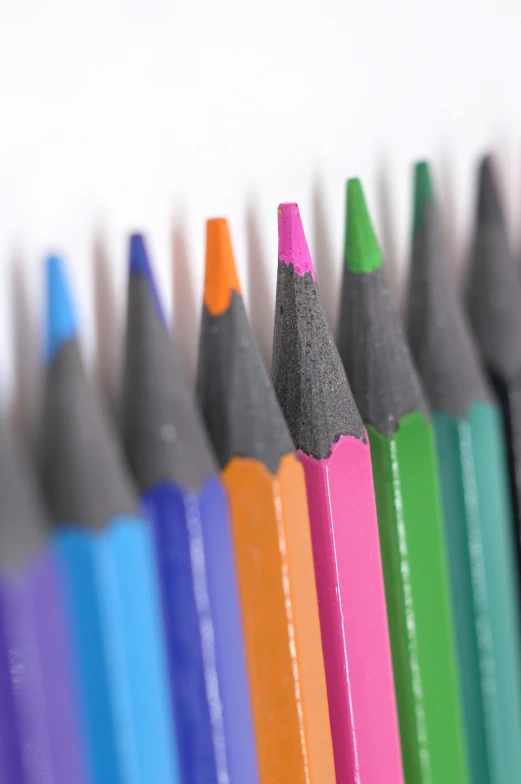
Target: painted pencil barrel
280,614
222,581
416,586
469,600
116,625
481,549
353,616
500,573
43,741
177,527
10,758
20,641
203,633
64,726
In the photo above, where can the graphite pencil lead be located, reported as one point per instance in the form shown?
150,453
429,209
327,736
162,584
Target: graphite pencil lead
309,379
361,250
233,387
23,525
140,267
293,246
62,323
490,210
439,336
162,432
494,284
220,273
370,339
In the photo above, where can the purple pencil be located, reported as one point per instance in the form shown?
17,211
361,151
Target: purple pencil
40,735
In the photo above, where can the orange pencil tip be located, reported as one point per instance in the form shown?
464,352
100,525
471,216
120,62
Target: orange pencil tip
221,275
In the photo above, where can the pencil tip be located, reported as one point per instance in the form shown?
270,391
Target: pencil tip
293,247
423,193
489,204
139,265
361,250
220,273
61,317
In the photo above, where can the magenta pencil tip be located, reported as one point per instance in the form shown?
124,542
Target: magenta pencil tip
293,248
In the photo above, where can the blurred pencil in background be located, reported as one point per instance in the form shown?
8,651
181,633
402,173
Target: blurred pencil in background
106,552
390,400
170,457
271,532
494,306
324,422
40,731
474,483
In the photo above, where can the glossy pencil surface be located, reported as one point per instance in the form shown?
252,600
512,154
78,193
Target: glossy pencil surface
171,459
391,403
106,553
271,532
40,729
324,422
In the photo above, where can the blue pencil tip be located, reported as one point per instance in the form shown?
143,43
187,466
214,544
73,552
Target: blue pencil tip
62,324
140,266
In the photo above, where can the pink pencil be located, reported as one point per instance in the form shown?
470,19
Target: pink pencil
317,402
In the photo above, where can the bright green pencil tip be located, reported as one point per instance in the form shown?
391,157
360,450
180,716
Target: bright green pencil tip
423,192
361,251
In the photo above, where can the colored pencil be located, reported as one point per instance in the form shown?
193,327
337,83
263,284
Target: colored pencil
171,459
324,422
474,483
271,532
494,297
40,736
106,550
391,402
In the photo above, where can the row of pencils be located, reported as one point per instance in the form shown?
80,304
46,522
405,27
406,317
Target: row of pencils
306,579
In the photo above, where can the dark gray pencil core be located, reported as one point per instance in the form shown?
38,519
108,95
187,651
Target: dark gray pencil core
375,354
23,522
162,431
84,474
439,336
494,285
308,376
235,392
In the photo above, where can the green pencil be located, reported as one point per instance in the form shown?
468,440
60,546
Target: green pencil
391,402
477,517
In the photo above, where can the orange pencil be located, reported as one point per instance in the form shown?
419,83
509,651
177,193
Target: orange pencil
271,532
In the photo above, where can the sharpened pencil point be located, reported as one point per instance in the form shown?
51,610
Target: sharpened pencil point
140,266
293,248
62,324
220,274
489,203
361,250
423,193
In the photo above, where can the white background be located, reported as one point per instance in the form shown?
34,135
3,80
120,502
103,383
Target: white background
155,115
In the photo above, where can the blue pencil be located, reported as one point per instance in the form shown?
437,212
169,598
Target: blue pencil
175,470
106,550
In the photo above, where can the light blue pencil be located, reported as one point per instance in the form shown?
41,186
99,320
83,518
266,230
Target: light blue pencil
106,551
